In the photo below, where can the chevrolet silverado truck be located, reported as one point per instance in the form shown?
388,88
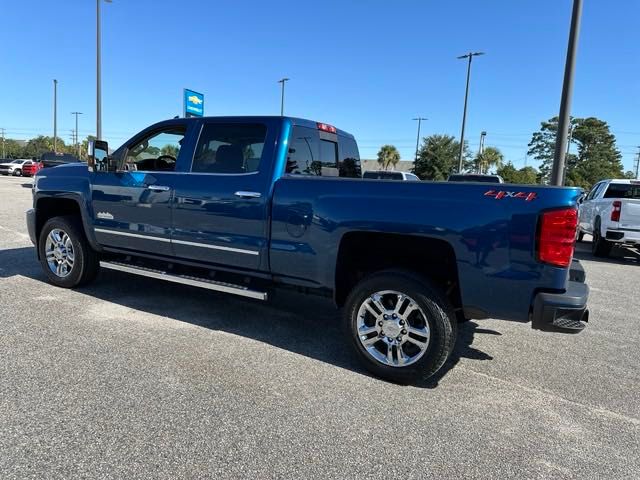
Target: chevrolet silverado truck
248,205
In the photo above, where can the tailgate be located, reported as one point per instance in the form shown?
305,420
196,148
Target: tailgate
630,214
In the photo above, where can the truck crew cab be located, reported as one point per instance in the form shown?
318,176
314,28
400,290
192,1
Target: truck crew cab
245,205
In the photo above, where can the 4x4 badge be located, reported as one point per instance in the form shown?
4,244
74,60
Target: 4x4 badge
500,194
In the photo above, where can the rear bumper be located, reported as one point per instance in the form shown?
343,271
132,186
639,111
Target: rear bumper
31,224
563,312
623,236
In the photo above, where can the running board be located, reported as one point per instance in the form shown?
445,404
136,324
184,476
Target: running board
186,280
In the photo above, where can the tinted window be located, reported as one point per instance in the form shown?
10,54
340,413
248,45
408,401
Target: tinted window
349,163
229,148
313,154
156,152
474,178
383,175
621,190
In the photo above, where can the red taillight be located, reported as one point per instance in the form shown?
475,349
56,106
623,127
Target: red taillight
325,127
557,236
615,213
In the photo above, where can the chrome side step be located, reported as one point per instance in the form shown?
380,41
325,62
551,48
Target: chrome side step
186,280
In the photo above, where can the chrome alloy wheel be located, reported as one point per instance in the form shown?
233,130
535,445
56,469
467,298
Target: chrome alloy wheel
393,329
59,252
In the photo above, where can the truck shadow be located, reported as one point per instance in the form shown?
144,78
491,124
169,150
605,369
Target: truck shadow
302,324
619,255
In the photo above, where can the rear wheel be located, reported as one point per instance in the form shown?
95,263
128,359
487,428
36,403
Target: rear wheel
599,246
65,254
401,327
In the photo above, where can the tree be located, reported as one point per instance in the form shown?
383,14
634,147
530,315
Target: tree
438,157
629,175
171,150
597,158
509,173
490,157
12,149
388,155
41,144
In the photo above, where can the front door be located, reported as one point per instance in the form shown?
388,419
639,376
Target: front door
221,204
132,207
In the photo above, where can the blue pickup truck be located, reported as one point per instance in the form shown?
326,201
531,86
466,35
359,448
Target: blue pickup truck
247,205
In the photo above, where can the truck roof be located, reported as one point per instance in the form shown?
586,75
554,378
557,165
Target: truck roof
302,122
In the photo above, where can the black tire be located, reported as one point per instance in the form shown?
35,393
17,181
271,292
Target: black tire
599,246
17,172
86,263
438,313
580,236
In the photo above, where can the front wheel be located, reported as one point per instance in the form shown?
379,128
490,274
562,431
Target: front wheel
17,172
65,254
401,327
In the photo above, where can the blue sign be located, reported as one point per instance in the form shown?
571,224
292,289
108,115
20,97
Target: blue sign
193,103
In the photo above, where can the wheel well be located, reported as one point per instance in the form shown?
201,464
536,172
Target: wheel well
47,208
363,253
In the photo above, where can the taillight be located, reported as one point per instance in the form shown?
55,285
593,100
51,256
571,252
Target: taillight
325,127
615,213
557,236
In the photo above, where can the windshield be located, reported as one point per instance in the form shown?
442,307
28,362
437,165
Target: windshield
623,190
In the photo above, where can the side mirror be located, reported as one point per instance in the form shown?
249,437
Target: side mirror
98,156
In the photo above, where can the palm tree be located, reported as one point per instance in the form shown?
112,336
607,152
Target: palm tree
388,155
490,157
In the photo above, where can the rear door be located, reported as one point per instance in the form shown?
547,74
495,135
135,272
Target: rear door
132,207
221,205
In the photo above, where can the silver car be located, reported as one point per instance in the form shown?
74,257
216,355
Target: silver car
13,167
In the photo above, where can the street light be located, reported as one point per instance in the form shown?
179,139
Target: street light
77,142
98,74
483,134
282,81
557,174
55,116
470,56
419,119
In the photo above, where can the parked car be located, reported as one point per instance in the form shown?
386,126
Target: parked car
390,175
52,159
13,167
31,167
611,214
475,177
247,205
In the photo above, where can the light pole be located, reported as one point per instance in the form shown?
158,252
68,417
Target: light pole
419,119
481,150
77,142
282,81
470,56
98,73
557,173
55,116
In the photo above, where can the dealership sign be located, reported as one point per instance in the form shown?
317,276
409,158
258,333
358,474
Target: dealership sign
193,103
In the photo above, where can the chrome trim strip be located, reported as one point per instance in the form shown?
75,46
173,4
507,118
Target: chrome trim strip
216,247
184,280
181,242
134,235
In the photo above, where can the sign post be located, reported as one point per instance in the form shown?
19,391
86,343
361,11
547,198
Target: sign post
193,103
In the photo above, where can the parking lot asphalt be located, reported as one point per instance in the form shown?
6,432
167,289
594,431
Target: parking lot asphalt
136,378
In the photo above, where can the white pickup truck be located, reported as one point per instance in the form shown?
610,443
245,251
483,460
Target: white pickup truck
611,213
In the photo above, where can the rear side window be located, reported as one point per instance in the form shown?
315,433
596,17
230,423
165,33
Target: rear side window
229,148
621,190
316,153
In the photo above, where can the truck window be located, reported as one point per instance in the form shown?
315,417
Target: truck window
229,148
622,190
309,154
157,152
349,164
383,175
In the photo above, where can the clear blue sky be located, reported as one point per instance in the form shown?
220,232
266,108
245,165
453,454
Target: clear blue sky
366,66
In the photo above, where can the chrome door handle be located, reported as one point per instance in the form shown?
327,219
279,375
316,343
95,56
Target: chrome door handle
158,188
242,194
